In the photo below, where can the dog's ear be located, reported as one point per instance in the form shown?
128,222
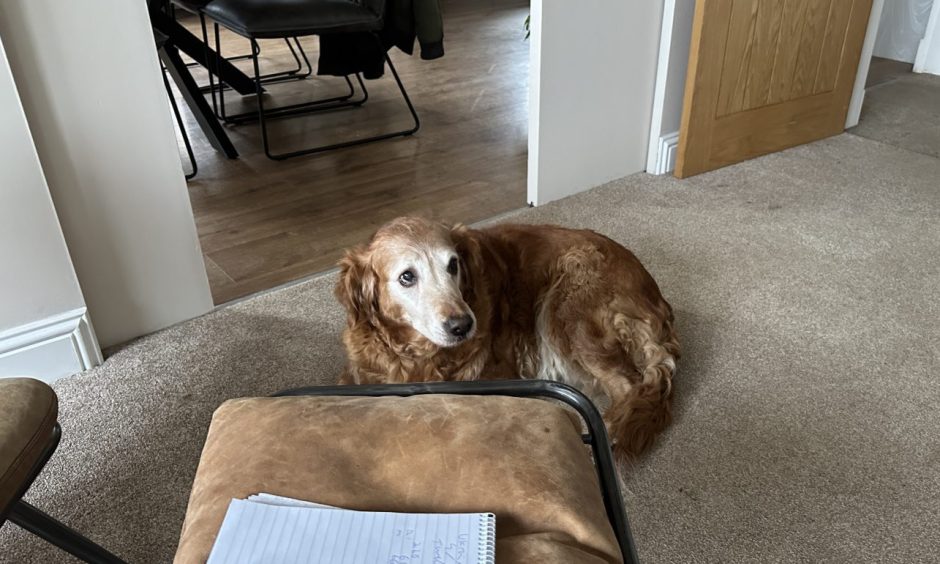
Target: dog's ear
356,288
471,257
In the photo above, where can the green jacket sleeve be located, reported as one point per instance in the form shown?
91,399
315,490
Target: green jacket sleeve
429,27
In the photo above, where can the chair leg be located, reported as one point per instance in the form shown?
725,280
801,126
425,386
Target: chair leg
300,73
302,55
303,69
69,540
199,50
321,106
182,126
218,50
210,71
283,111
202,111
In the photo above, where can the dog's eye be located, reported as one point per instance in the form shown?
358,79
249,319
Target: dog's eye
452,266
407,278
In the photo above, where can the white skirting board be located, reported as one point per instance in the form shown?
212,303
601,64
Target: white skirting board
50,348
666,154
928,51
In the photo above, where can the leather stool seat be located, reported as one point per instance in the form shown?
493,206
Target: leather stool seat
28,411
520,458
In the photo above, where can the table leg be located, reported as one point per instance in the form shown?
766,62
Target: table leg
210,126
201,53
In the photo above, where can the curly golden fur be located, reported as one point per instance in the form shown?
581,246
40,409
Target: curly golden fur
529,302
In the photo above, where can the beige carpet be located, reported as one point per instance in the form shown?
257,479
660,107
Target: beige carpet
806,289
904,112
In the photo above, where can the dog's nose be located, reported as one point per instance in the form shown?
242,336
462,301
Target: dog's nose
459,325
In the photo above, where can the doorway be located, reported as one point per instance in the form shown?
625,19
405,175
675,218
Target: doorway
906,31
902,106
264,223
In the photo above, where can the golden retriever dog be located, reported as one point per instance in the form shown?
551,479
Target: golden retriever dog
426,302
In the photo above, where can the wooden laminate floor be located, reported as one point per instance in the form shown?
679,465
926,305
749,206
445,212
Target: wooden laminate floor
262,223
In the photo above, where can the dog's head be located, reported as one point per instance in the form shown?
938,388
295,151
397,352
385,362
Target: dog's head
410,275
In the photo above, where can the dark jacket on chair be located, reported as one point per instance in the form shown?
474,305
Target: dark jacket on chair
405,20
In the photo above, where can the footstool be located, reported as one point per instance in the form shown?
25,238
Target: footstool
444,447
29,435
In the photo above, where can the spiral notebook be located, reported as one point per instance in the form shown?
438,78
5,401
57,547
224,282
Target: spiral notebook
268,528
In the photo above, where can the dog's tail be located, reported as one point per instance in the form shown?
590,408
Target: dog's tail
636,417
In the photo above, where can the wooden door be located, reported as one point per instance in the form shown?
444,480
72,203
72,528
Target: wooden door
765,75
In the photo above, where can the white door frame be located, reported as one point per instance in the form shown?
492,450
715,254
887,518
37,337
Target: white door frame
592,70
660,154
868,47
928,60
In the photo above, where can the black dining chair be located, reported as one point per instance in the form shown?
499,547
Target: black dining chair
302,69
273,19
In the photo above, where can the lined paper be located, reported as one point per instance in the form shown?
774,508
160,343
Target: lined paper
267,528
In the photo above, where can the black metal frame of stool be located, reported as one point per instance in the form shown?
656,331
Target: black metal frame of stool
596,436
47,528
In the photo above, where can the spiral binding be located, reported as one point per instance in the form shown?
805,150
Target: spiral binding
488,534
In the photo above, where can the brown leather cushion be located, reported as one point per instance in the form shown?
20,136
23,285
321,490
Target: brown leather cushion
521,459
28,411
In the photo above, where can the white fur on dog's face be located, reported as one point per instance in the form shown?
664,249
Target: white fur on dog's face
421,279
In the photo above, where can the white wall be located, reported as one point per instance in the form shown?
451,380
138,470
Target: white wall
38,287
593,66
902,27
928,52
88,77
675,40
